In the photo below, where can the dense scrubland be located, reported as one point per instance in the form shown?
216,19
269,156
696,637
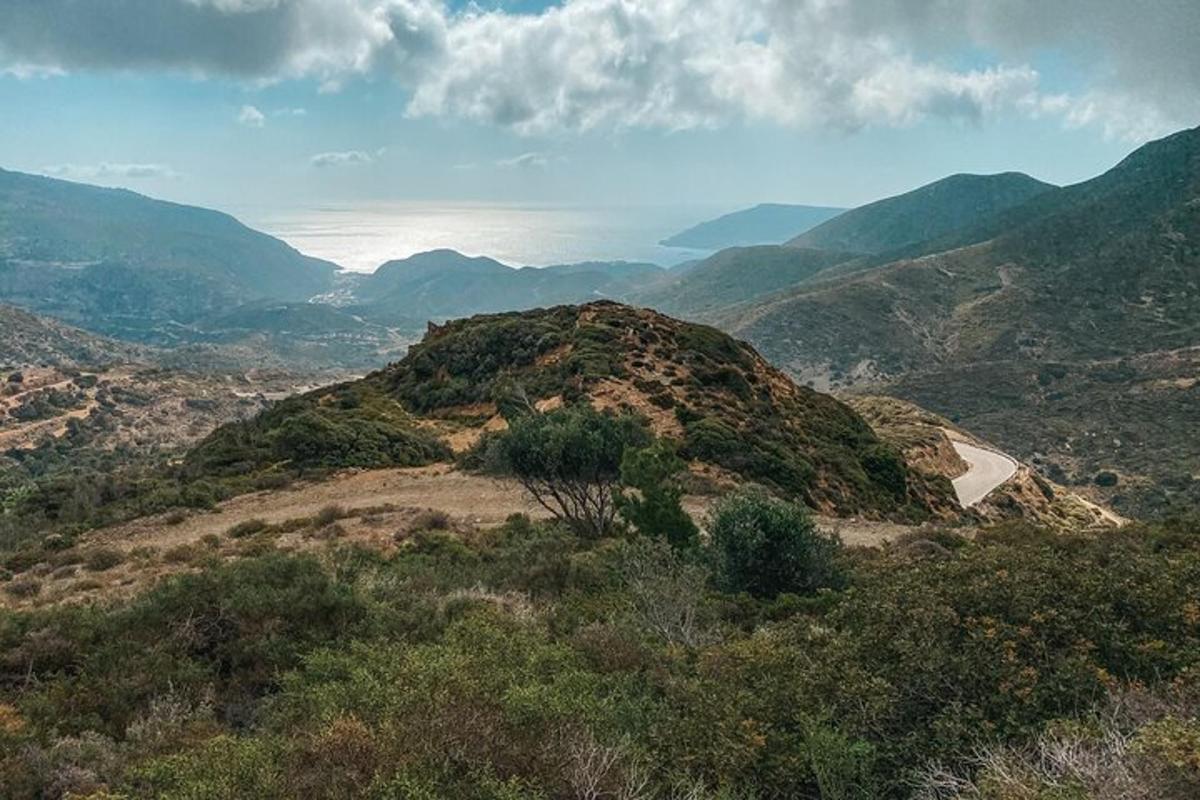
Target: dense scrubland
531,661
618,651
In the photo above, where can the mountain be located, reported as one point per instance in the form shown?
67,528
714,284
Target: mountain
28,339
724,403
1063,328
736,275
123,264
925,213
768,223
442,284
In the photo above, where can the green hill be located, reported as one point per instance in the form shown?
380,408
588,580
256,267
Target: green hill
120,263
928,212
1099,281
736,275
727,406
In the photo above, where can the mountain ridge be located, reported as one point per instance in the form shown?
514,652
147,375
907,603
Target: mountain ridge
765,223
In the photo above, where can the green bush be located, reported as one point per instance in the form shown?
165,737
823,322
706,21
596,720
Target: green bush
656,509
766,546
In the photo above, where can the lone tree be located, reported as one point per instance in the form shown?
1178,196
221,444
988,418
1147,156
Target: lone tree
569,460
656,509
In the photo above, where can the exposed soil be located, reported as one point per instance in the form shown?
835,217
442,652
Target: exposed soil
375,508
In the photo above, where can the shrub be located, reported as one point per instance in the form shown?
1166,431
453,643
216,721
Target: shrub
1106,478
181,554
328,515
104,558
766,546
656,509
23,587
431,520
569,460
175,518
246,528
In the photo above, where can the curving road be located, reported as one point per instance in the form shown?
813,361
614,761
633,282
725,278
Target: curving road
987,469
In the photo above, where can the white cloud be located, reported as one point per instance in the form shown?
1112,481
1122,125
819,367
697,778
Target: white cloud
251,117
109,171
347,158
525,161
290,112
669,64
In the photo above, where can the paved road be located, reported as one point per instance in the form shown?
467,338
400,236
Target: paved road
987,470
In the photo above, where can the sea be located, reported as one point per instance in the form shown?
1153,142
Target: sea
361,237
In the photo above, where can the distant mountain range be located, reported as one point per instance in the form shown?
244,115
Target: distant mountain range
442,284
769,223
126,265
1064,326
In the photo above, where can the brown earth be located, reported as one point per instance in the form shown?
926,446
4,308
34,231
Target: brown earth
379,509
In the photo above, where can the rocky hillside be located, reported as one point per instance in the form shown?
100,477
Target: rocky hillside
27,339
1080,305
728,407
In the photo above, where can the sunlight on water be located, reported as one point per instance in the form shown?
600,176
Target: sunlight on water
361,238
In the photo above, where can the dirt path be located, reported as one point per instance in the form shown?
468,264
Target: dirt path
473,500
480,501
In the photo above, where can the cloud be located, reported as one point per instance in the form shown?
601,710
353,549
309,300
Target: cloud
109,171
348,158
667,64
290,112
525,161
251,117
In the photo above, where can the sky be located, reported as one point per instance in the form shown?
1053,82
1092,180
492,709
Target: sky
714,103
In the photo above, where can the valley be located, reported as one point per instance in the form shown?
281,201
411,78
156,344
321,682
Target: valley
830,506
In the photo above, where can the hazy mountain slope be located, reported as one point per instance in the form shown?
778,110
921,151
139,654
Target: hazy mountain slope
114,261
1082,279
925,213
768,223
28,339
734,276
442,284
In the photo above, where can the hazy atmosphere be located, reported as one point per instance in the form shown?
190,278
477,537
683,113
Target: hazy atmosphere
600,400
275,108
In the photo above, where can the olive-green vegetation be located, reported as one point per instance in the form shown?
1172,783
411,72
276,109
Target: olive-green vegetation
769,547
570,461
1081,302
348,425
734,409
532,662
652,498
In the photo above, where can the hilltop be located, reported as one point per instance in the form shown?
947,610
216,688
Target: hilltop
767,223
730,409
